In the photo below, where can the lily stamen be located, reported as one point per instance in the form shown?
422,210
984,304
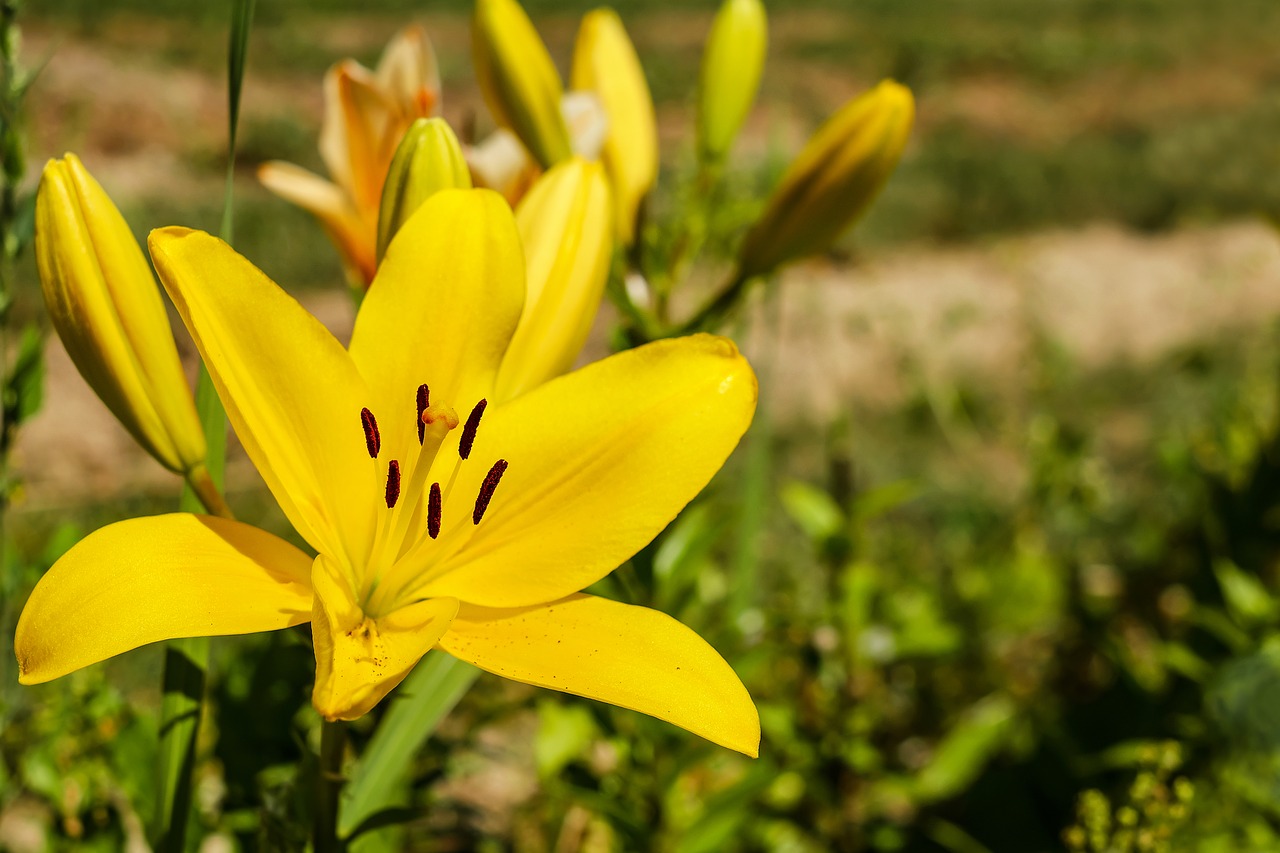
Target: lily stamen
372,438
393,483
424,401
469,431
435,508
487,488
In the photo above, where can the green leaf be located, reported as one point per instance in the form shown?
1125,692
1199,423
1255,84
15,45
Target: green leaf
429,693
564,733
817,513
961,756
1246,598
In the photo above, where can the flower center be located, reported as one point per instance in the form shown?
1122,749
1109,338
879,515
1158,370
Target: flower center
400,526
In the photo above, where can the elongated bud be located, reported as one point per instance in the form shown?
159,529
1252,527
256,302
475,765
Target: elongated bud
834,180
518,79
605,62
732,62
107,310
428,160
566,227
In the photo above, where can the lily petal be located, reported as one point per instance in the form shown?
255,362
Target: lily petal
326,201
566,226
628,656
149,579
599,461
409,71
442,309
360,659
290,389
356,140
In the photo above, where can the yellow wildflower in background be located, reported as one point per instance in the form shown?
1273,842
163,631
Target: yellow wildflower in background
366,115
444,513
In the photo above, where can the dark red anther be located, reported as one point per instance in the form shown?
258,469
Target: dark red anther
393,483
424,400
487,489
372,439
434,509
469,430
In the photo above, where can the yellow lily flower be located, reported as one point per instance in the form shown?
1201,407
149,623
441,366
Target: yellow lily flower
366,113
605,62
518,79
444,514
107,310
833,181
731,68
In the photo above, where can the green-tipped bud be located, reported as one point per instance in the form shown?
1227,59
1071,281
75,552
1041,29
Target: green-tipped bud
428,160
834,180
518,79
731,66
107,310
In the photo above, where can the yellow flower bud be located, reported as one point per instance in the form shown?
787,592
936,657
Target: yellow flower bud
605,62
731,66
566,228
833,181
429,159
518,79
107,309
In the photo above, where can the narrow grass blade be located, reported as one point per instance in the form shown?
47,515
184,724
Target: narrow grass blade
429,693
187,660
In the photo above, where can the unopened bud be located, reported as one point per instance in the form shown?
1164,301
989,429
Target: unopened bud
731,66
428,160
107,310
834,180
518,79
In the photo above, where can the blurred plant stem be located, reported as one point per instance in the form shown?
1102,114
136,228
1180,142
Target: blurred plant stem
187,660
329,779
12,158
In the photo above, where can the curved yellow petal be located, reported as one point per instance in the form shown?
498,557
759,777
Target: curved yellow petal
353,235
149,579
108,311
360,659
605,62
628,656
442,309
599,461
565,224
290,389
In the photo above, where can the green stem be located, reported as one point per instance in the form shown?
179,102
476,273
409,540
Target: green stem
712,313
329,780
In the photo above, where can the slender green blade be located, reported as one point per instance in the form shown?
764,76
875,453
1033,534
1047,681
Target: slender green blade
424,699
187,660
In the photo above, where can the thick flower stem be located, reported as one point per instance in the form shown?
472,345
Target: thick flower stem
329,781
